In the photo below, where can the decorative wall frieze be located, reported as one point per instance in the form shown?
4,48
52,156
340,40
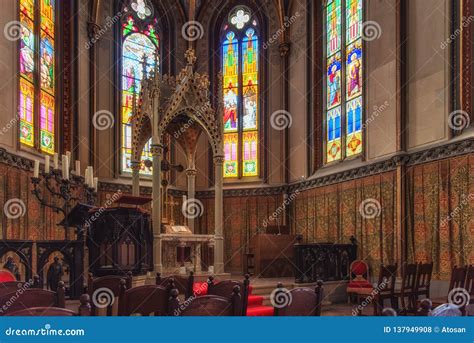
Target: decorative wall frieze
13,160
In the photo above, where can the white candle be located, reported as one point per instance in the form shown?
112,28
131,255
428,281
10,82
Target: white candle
68,154
86,176
78,168
47,161
56,161
65,168
37,169
184,199
96,183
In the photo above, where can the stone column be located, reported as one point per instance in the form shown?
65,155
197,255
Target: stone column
157,152
136,166
219,215
191,175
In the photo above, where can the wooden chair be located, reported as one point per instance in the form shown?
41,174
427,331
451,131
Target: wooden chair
207,305
226,288
29,298
458,277
384,290
300,301
84,310
423,281
13,286
104,291
406,295
145,300
469,287
183,284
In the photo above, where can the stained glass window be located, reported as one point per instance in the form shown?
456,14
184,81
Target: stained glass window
240,67
344,92
140,42
37,76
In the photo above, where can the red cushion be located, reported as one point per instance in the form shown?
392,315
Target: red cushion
260,311
200,288
255,300
359,284
359,268
6,276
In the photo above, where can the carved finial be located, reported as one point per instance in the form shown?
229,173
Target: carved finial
190,56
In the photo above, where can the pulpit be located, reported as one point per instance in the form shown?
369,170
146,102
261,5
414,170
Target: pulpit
120,239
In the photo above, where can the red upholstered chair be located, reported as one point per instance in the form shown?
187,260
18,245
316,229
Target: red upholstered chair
6,276
359,277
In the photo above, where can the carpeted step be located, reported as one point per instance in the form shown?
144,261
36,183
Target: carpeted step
260,311
255,300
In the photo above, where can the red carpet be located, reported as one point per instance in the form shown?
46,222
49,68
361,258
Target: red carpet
255,305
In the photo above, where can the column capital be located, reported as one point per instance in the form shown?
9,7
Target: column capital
284,49
191,172
157,149
136,165
219,159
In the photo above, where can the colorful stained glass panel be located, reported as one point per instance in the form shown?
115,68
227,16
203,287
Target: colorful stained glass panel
334,147
47,123
333,18
27,7
26,112
354,69
250,58
250,153
47,64
27,46
334,81
354,127
47,16
231,168
230,63
353,20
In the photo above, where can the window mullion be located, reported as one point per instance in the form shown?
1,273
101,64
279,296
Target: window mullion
343,80
36,75
240,108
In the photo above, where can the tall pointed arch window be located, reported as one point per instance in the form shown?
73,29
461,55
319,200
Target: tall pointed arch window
37,63
140,41
344,91
240,67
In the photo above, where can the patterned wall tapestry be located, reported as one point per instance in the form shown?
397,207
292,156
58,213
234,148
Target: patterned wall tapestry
441,206
333,214
243,216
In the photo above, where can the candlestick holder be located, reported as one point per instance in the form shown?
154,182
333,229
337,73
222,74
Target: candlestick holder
65,193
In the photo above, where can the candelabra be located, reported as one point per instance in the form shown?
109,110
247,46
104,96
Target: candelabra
68,191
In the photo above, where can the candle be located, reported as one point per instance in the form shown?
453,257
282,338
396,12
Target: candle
68,154
65,167
56,161
37,168
78,168
96,183
47,161
86,176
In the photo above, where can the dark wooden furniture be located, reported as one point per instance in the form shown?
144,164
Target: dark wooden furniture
423,281
207,305
145,300
120,240
105,290
323,261
84,310
13,286
469,286
226,289
457,280
299,301
182,283
30,298
270,256
406,294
